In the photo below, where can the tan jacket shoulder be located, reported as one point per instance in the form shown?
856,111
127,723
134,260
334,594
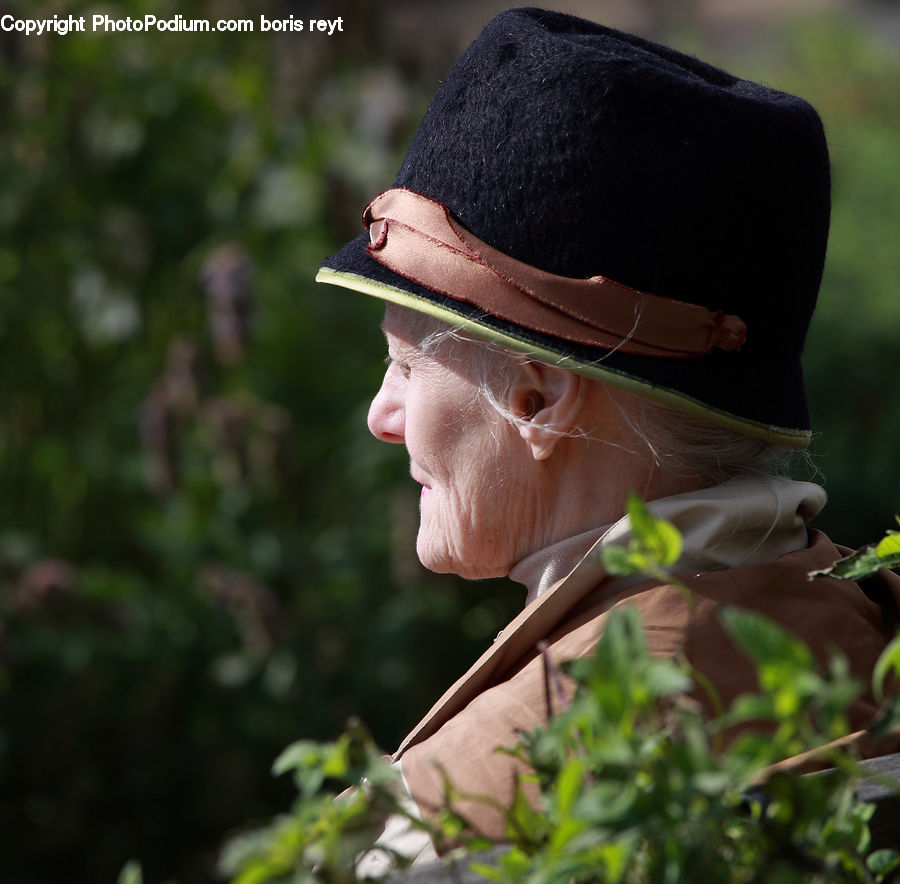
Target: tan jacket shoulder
503,693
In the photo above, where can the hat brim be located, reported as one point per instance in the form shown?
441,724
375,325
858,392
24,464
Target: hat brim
702,387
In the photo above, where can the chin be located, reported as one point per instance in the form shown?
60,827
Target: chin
434,559
440,561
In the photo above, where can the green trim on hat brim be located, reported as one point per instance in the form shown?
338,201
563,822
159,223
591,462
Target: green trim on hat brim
776,435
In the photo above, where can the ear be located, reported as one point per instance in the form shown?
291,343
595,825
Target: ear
548,402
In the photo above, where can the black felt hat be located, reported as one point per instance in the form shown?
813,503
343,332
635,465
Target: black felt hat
584,152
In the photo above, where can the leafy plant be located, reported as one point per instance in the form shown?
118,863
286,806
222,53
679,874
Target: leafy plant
323,836
634,788
635,785
654,545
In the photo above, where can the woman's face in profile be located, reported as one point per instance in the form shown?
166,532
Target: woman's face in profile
475,512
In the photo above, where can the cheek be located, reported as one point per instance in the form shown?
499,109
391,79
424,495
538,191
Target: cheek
478,523
437,434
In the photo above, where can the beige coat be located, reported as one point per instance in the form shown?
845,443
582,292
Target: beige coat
504,691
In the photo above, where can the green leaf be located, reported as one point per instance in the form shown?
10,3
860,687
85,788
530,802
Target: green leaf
889,546
751,708
664,678
523,822
623,642
657,539
883,862
867,561
888,661
887,718
667,539
298,754
765,641
654,546
131,873
617,560
488,872
639,515
568,784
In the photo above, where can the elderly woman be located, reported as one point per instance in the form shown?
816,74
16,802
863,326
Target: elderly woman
599,261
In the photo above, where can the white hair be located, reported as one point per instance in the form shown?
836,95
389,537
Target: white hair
679,443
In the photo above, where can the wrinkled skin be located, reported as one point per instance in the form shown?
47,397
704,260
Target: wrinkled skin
494,491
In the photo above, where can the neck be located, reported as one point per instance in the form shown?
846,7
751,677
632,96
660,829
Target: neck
743,521
588,481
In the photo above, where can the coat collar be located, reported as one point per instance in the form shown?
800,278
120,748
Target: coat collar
740,522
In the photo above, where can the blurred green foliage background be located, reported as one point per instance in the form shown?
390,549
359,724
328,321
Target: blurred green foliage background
203,555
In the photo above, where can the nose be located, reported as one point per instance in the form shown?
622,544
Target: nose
387,413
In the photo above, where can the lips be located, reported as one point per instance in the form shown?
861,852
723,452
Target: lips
426,488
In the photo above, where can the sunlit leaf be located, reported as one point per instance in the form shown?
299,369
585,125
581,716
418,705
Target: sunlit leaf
889,547
657,539
655,544
867,561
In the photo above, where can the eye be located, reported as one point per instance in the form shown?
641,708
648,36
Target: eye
401,366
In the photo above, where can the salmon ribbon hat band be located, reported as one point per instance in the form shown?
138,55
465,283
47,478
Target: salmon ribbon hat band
415,236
